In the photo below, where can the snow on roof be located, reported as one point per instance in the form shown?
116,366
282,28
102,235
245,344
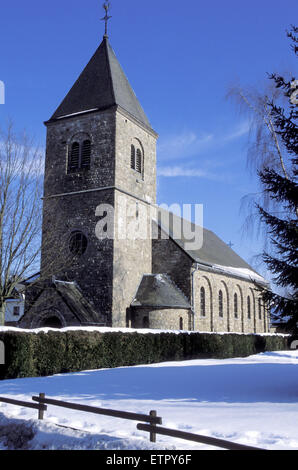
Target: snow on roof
213,251
241,272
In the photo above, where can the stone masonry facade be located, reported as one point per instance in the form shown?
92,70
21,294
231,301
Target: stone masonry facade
107,203
190,277
241,318
167,318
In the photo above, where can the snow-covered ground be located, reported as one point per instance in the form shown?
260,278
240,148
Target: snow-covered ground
251,401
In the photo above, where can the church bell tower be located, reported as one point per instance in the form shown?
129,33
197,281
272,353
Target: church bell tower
100,159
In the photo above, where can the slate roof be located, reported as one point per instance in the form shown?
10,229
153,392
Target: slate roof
213,252
102,85
157,290
75,300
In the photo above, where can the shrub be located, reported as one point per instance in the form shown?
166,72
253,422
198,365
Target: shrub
30,354
19,355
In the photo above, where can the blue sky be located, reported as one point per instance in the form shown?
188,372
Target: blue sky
180,58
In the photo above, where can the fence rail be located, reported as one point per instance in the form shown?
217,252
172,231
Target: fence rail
26,404
151,418
101,411
212,441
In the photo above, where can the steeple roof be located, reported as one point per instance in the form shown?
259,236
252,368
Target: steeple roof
101,85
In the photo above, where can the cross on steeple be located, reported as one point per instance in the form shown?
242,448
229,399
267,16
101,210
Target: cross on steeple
106,18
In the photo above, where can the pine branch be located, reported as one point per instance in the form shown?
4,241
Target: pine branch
280,188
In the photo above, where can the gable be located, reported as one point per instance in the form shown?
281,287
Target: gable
213,253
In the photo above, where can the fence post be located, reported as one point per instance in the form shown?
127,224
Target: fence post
41,409
152,434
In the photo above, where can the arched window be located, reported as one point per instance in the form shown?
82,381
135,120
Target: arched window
248,307
86,154
220,303
139,161
203,302
80,156
260,308
136,156
74,157
78,243
181,323
133,157
235,305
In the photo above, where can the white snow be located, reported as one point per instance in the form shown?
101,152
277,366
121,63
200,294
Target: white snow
251,400
78,113
241,272
105,329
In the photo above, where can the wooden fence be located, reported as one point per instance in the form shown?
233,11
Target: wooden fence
151,418
40,407
212,441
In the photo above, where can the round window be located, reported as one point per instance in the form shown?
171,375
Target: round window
78,243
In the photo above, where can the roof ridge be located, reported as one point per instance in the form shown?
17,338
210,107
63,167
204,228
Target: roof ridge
106,42
214,250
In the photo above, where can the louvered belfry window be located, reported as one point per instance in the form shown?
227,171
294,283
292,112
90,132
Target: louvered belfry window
139,161
133,157
136,157
80,156
74,156
86,154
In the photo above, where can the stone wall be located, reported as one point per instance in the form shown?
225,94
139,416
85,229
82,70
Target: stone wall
231,320
132,258
170,259
164,319
132,243
111,269
93,270
141,185
64,214
100,127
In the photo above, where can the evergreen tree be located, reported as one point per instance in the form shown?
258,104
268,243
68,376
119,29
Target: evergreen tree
281,187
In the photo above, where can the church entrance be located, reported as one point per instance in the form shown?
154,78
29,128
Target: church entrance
51,322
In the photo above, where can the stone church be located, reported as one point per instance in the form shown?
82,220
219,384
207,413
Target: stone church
101,154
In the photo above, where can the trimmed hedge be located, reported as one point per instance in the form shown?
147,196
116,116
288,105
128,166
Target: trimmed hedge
41,354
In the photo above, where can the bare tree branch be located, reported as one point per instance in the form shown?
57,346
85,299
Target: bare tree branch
21,190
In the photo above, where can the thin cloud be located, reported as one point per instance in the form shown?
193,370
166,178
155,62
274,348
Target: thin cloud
180,171
190,144
241,129
182,146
